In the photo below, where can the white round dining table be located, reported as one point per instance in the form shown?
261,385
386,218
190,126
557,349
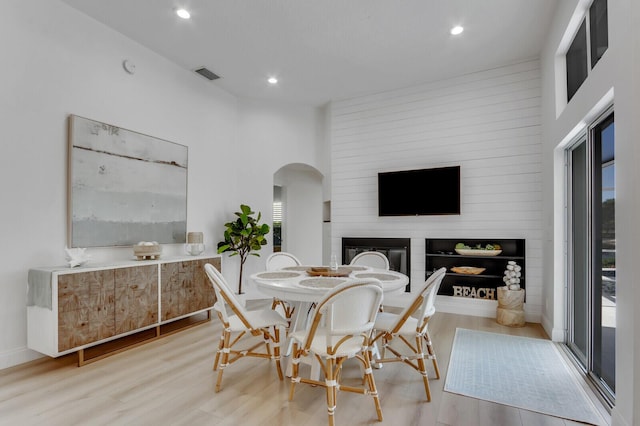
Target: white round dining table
298,286
295,284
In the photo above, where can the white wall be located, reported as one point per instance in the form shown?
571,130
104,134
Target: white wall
271,136
615,77
324,161
56,62
486,122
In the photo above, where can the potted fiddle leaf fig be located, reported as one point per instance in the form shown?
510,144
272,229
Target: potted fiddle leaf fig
243,237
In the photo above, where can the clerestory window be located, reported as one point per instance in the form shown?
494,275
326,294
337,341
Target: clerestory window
588,46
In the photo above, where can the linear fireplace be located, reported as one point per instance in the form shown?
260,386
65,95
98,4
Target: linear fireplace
397,250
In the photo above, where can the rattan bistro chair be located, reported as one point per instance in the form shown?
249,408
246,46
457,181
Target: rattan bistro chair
410,330
281,259
340,328
266,323
374,259
276,261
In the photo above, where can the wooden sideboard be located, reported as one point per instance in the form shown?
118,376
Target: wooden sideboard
74,309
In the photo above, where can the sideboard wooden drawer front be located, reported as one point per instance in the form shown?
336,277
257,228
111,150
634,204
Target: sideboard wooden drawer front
204,294
136,293
170,286
185,288
86,308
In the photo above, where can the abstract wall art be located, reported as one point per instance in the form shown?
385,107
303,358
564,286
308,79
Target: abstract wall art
124,186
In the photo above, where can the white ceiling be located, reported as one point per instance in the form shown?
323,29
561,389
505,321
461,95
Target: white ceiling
330,49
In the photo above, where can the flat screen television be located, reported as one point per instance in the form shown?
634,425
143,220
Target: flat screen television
434,191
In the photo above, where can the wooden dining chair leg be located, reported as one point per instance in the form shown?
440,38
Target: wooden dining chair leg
287,310
218,352
371,383
277,303
432,353
383,349
295,359
330,383
267,341
276,350
290,312
226,349
363,367
421,366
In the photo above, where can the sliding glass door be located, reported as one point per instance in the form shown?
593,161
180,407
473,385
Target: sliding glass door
592,253
579,259
604,265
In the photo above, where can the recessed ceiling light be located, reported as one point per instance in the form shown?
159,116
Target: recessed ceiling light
457,30
272,80
183,13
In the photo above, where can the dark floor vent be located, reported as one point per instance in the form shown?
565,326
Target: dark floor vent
207,73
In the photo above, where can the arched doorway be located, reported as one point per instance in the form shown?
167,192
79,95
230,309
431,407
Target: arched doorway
298,202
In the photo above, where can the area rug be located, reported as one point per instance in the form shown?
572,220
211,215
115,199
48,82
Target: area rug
518,371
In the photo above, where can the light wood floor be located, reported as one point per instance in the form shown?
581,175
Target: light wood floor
170,381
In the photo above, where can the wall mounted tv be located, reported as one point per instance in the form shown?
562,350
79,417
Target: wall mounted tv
434,191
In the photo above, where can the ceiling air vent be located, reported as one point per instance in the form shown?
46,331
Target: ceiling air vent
207,73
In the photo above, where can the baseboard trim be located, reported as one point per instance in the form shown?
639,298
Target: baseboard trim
17,356
473,307
476,307
617,419
556,334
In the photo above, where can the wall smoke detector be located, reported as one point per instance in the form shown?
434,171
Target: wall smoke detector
129,66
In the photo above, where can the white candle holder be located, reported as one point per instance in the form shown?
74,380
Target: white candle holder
194,249
194,244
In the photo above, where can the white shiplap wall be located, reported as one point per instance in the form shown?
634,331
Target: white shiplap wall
488,123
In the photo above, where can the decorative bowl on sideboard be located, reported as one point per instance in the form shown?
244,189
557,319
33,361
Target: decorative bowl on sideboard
147,250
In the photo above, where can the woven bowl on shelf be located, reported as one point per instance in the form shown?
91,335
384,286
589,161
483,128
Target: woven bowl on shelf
468,270
478,252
